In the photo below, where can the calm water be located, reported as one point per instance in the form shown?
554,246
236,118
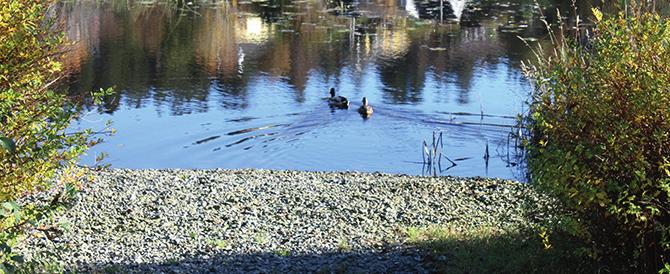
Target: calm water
241,84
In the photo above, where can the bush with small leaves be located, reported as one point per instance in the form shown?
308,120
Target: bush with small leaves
35,144
600,121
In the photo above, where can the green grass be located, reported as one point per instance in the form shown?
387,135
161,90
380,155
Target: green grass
261,238
184,177
344,246
493,250
282,252
219,244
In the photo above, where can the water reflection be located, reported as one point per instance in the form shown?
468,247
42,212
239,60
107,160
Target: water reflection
187,76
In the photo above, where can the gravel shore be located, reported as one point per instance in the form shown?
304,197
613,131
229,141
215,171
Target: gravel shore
227,221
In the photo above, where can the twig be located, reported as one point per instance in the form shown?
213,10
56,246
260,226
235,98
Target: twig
486,153
426,153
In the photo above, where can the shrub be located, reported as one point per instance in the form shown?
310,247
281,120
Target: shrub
600,121
34,144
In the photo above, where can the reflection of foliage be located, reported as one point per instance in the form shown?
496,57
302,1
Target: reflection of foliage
33,118
177,58
147,46
600,121
430,9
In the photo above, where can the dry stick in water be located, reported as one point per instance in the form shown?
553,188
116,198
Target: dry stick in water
426,153
434,153
486,153
423,153
435,141
434,148
439,141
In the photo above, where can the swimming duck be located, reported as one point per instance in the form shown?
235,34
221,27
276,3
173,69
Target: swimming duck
365,109
337,101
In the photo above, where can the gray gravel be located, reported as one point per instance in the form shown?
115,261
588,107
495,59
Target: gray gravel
194,221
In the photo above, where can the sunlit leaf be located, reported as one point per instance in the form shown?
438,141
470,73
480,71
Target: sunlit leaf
597,13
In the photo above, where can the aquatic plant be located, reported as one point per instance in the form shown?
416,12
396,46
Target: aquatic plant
432,155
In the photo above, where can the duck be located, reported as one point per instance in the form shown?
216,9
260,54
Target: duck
337,101
365,109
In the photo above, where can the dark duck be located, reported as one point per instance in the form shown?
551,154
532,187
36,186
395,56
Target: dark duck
337,101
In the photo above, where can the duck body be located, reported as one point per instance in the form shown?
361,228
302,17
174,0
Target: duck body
365,109
337,101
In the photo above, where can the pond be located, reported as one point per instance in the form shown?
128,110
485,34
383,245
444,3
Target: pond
243,84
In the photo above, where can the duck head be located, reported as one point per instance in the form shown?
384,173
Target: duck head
365,101
332,92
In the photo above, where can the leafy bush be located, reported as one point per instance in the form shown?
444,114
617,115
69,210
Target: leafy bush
34,144
600,121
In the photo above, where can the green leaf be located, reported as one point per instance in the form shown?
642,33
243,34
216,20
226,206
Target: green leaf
18,259
665,270
597,13
4,248
11,206
7,144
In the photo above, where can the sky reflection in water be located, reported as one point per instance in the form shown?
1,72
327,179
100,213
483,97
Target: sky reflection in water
242,85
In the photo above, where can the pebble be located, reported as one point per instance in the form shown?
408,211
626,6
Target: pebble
261,221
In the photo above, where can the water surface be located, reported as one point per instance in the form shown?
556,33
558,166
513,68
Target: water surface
242,84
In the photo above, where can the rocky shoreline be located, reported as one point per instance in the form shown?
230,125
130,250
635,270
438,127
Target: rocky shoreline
227,221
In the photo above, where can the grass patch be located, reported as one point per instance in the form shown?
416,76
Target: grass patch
282,252
184,177
493,250
261,238
112,269
344,246
219,244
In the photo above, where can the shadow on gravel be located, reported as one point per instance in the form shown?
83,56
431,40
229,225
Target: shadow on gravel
398,260
490,250
429,250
